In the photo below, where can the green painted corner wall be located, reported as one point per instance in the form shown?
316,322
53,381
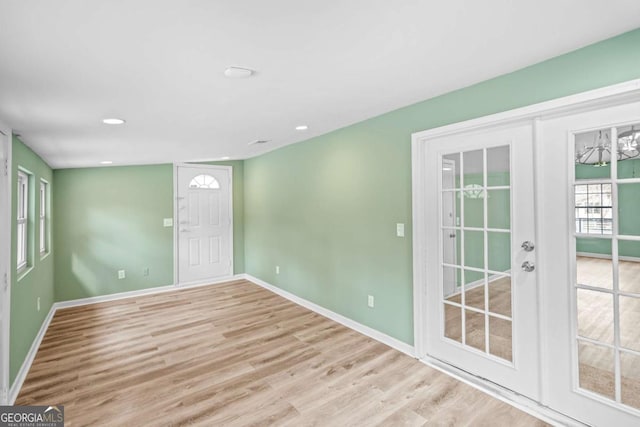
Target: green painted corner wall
37,280
325,210
111,218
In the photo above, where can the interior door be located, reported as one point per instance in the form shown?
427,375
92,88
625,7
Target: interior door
592,181
488,324
5,259
204,213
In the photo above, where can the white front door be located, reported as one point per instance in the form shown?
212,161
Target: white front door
591,233
204,222
480,278
5,260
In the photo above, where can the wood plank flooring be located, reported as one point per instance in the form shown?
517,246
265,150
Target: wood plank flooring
236,355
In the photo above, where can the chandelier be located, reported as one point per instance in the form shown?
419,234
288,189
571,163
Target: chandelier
599,153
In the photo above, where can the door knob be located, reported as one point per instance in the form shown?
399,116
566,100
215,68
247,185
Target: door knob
528,266
452,235
528,246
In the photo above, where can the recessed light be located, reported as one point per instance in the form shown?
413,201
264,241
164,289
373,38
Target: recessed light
106,162
302,127
238,72
259,141
225,158
113,121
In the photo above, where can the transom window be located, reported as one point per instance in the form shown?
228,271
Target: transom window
205,182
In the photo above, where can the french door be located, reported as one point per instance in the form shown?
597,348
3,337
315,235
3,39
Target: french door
527,253
480,305
591,183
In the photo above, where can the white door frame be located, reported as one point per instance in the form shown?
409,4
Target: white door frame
176,231
586,101
5,265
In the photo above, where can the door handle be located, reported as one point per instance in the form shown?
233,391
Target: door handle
528,266
528,246
452,235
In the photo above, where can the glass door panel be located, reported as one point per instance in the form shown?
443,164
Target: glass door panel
482,241
477,305
606,197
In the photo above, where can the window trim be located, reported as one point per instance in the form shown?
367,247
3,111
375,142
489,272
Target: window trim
22,221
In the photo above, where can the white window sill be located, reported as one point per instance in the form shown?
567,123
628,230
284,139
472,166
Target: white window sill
44,255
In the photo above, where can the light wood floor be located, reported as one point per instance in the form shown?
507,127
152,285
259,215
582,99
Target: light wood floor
236,354
595,321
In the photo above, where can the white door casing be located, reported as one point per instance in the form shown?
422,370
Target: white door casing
203,222
520,374
5,259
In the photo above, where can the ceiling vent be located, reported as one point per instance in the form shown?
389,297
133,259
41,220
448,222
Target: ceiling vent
259,141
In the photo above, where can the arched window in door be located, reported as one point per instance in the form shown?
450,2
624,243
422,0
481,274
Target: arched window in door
204,182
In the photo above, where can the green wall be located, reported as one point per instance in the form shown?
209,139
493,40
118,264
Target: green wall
111,219
324,210
37,280
108,219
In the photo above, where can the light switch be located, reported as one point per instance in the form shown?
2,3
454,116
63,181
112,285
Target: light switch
168,222
400,230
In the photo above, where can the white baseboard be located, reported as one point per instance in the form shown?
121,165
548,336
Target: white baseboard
505,395
349,323
147,291
26,364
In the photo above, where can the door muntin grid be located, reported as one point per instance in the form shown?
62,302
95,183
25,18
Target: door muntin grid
475,256
606,287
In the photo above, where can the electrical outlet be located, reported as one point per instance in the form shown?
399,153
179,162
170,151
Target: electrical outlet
145,272
400,229
38,303
167,222
370,301
121,274
277,269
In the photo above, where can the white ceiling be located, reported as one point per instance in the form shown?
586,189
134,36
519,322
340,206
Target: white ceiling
67,64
